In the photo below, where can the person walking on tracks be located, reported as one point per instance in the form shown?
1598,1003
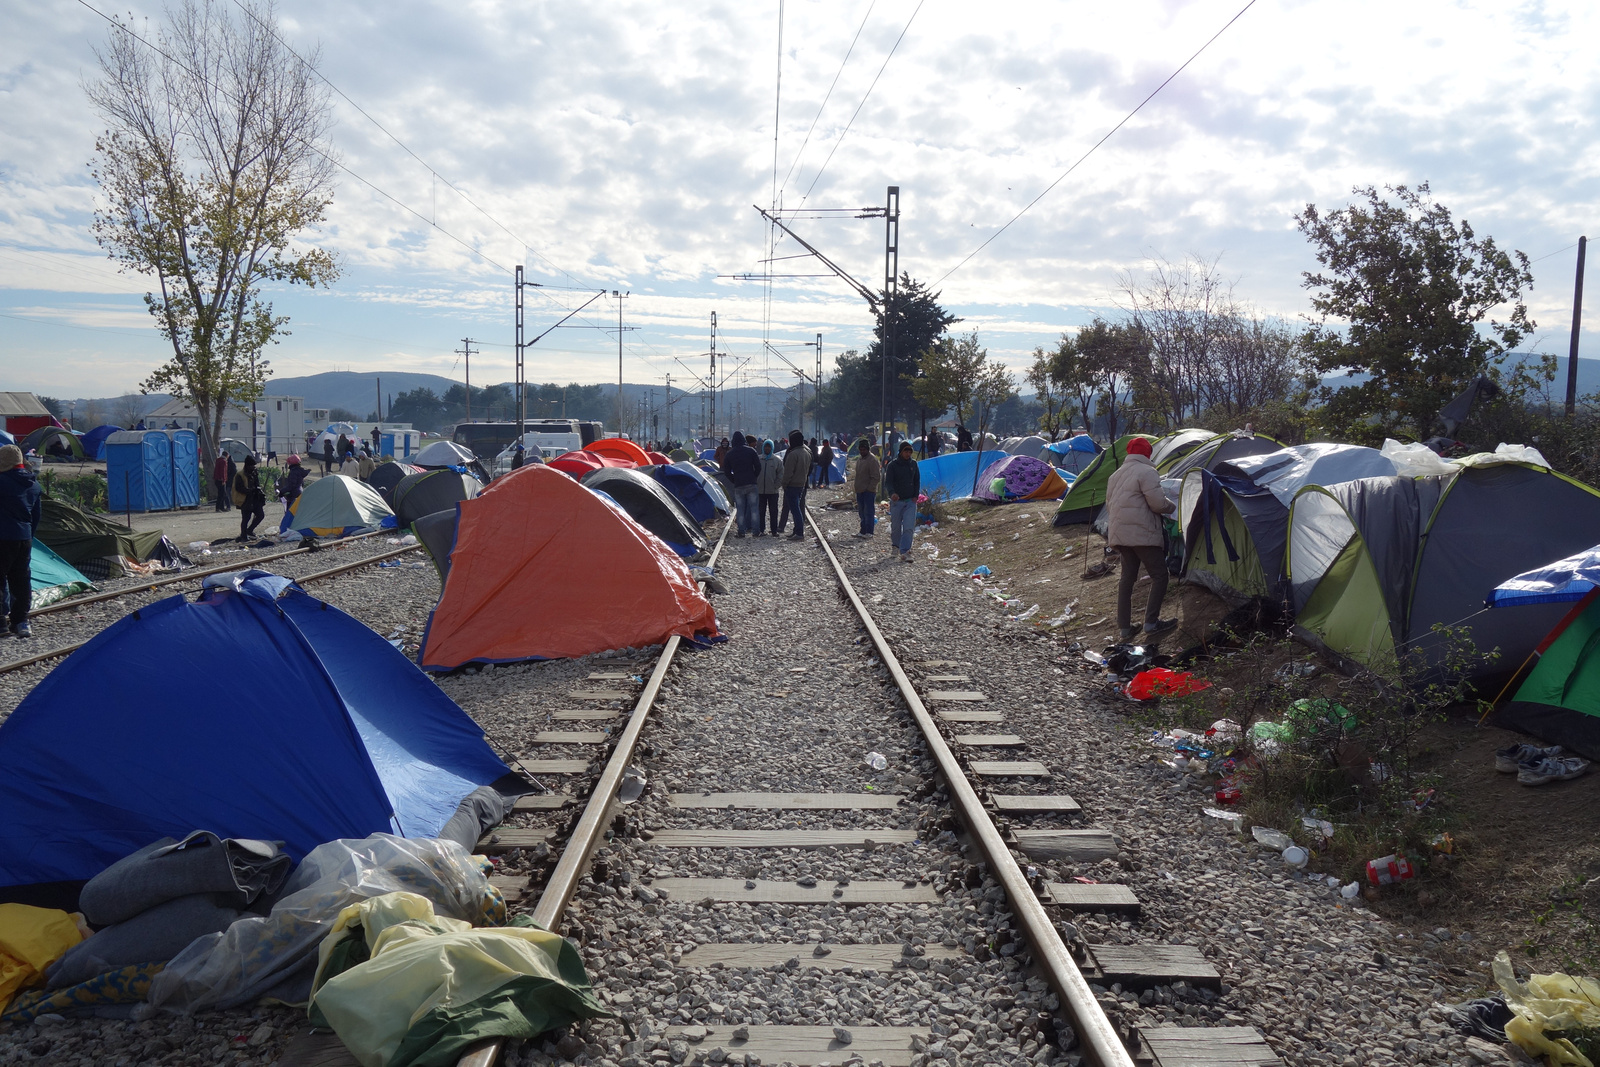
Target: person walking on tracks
769,486
19,521
743,468
902,480
869,472
1135,505
249,497
796,473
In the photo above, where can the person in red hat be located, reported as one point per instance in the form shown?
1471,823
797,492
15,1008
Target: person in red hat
1135,506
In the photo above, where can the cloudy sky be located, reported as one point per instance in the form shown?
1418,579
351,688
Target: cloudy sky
623,145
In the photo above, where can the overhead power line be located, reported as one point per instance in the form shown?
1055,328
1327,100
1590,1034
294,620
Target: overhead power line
1125,120
829,94
864,96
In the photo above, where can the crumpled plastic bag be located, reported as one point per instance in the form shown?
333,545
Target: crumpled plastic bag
1163,682
30,940
1415,460
256,953
1522,453
402,986
1548,1004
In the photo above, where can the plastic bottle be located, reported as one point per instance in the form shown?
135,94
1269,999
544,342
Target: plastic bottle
877,761
1388,869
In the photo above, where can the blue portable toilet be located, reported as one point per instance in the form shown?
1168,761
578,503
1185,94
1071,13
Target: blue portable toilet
139,470
185,468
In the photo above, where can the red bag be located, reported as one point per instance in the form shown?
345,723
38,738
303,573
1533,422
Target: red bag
1161,682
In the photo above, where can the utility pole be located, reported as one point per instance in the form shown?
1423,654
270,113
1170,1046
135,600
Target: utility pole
669,405
522,409
379,383
711,430
818,403
891,271
466,353
1577,321
620,297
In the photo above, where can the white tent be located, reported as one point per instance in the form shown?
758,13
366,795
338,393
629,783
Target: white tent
444,454
1288,470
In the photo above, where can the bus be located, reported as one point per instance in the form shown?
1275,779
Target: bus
488,439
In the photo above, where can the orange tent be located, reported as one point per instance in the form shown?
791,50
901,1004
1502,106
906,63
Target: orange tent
619,448
543,568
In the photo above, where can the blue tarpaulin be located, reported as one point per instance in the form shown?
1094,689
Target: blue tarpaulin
953,473
95,440
317,729
1565,580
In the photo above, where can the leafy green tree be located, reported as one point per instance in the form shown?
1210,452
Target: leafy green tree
1406,296
55,407
949,372
214,164
421,407
914,321
1051,393
1098,365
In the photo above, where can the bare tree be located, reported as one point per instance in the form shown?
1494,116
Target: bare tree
214,161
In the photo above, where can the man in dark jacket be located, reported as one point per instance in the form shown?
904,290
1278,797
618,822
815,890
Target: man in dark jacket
963,439
796,473
19,520
743,468
902,480
288,489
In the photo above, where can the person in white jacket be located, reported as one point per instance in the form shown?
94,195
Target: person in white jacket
1135,505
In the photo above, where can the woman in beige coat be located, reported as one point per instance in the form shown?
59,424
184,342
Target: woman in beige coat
1135,504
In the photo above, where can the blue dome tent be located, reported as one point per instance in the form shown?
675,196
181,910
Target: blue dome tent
106,755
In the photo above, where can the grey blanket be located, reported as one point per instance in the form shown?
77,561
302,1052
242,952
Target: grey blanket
237,871
153,936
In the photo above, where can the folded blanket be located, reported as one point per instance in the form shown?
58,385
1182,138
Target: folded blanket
153,936
238,869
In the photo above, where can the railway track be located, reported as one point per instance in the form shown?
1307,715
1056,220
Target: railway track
807,885
146,588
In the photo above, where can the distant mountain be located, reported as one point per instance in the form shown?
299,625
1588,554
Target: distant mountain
1588,376
355,391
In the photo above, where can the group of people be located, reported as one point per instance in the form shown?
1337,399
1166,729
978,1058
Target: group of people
759,477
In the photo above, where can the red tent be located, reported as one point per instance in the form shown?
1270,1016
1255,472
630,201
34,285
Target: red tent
578,464
620,448
658,459
598,579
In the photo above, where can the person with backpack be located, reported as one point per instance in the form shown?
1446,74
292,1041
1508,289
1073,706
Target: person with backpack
769,486
249,498
20,514
902,480
743,468
1135,507
796,473
868,474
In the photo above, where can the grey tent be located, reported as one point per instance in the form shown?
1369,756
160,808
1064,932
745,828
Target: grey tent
651,506
437,532
1178,444
1234,534
426,492
1216,450
385,476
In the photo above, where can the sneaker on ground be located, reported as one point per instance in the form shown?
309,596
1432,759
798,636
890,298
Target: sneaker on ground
1127,634
740,533
1153,628
797,537
1552,769
1510,760
22,629
905,557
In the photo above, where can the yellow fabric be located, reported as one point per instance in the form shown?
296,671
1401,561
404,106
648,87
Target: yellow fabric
420,963
1548,1002
30,940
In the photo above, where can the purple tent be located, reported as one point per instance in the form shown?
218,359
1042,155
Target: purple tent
1023,476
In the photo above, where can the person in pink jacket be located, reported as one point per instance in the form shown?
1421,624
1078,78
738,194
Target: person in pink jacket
1135,505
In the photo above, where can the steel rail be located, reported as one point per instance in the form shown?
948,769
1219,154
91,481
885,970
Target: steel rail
331,572
1097,1037
590,830
146,587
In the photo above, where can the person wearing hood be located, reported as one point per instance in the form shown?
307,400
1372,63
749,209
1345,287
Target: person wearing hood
1135,506
19,521
743,468
902,480
250,497
796,473
769,486
721,452
288,489
868,473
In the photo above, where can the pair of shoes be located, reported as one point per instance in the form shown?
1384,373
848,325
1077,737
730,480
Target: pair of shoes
1511,760
1551,769
1151,629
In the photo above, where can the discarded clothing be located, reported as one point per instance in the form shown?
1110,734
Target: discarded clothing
480,809
127,985
404,987
238,869
153,936
257,953
30,940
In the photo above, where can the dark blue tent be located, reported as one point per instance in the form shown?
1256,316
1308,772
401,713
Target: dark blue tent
689,490
323,730
94,441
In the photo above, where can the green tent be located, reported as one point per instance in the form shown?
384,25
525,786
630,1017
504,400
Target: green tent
1374,564
77,536
53,577
1559,700
1214,451
1087,494
1233,536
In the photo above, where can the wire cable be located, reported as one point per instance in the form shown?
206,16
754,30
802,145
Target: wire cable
829,94
1125,120
864,97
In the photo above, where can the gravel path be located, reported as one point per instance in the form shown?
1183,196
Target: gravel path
1325,982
